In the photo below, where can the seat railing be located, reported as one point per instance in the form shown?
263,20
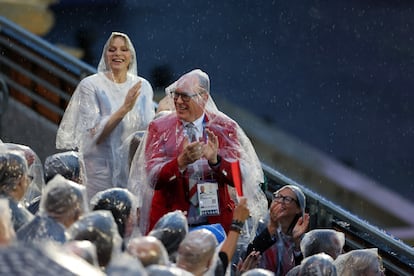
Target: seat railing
398,257
37,73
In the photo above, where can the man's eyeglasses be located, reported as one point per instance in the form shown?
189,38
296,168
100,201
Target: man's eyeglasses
184,96
283,199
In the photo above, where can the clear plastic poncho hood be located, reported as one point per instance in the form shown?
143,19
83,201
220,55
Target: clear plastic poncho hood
145,170
91,106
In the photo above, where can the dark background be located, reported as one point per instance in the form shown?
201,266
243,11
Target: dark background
338,75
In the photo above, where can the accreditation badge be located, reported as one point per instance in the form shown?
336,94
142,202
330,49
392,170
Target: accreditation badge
208,198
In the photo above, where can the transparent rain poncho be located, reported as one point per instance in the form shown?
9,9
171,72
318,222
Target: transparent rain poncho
125,264
162,270
83,249
359,262
328,241
258,272
35,171
171,229
43,259
122,205
320,264
196,250
280,255
95,99
152,154
14,171
13,168
62,202
67,164
7,233
149,250
98,227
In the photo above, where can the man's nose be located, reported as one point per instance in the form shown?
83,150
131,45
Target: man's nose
179,99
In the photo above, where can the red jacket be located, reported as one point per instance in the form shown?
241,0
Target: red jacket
164,142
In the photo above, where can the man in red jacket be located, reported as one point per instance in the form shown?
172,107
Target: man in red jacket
193,147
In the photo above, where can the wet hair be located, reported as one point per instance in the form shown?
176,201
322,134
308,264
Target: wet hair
117,200
13,167
99,228
171,229
66,164
62,197
318,264
204,80
149,250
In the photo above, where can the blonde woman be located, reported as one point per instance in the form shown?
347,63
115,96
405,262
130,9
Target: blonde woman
105,109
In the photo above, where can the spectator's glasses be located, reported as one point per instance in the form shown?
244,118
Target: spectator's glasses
283,199
185,97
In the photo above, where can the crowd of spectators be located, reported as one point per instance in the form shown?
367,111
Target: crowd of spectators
177,192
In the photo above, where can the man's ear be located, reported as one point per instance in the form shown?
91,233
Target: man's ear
77,214
209,263
205,96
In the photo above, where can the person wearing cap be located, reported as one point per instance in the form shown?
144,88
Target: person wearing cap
277,246
195,145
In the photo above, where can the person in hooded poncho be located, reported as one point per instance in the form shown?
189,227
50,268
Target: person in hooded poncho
62,203
277,246
14,181
105,109
171,158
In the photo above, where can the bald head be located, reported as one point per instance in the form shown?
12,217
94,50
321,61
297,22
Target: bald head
196,251
149,250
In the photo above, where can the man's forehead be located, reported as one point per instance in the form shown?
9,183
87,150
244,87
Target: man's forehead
188,83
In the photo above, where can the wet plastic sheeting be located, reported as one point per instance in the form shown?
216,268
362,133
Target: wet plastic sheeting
30,260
